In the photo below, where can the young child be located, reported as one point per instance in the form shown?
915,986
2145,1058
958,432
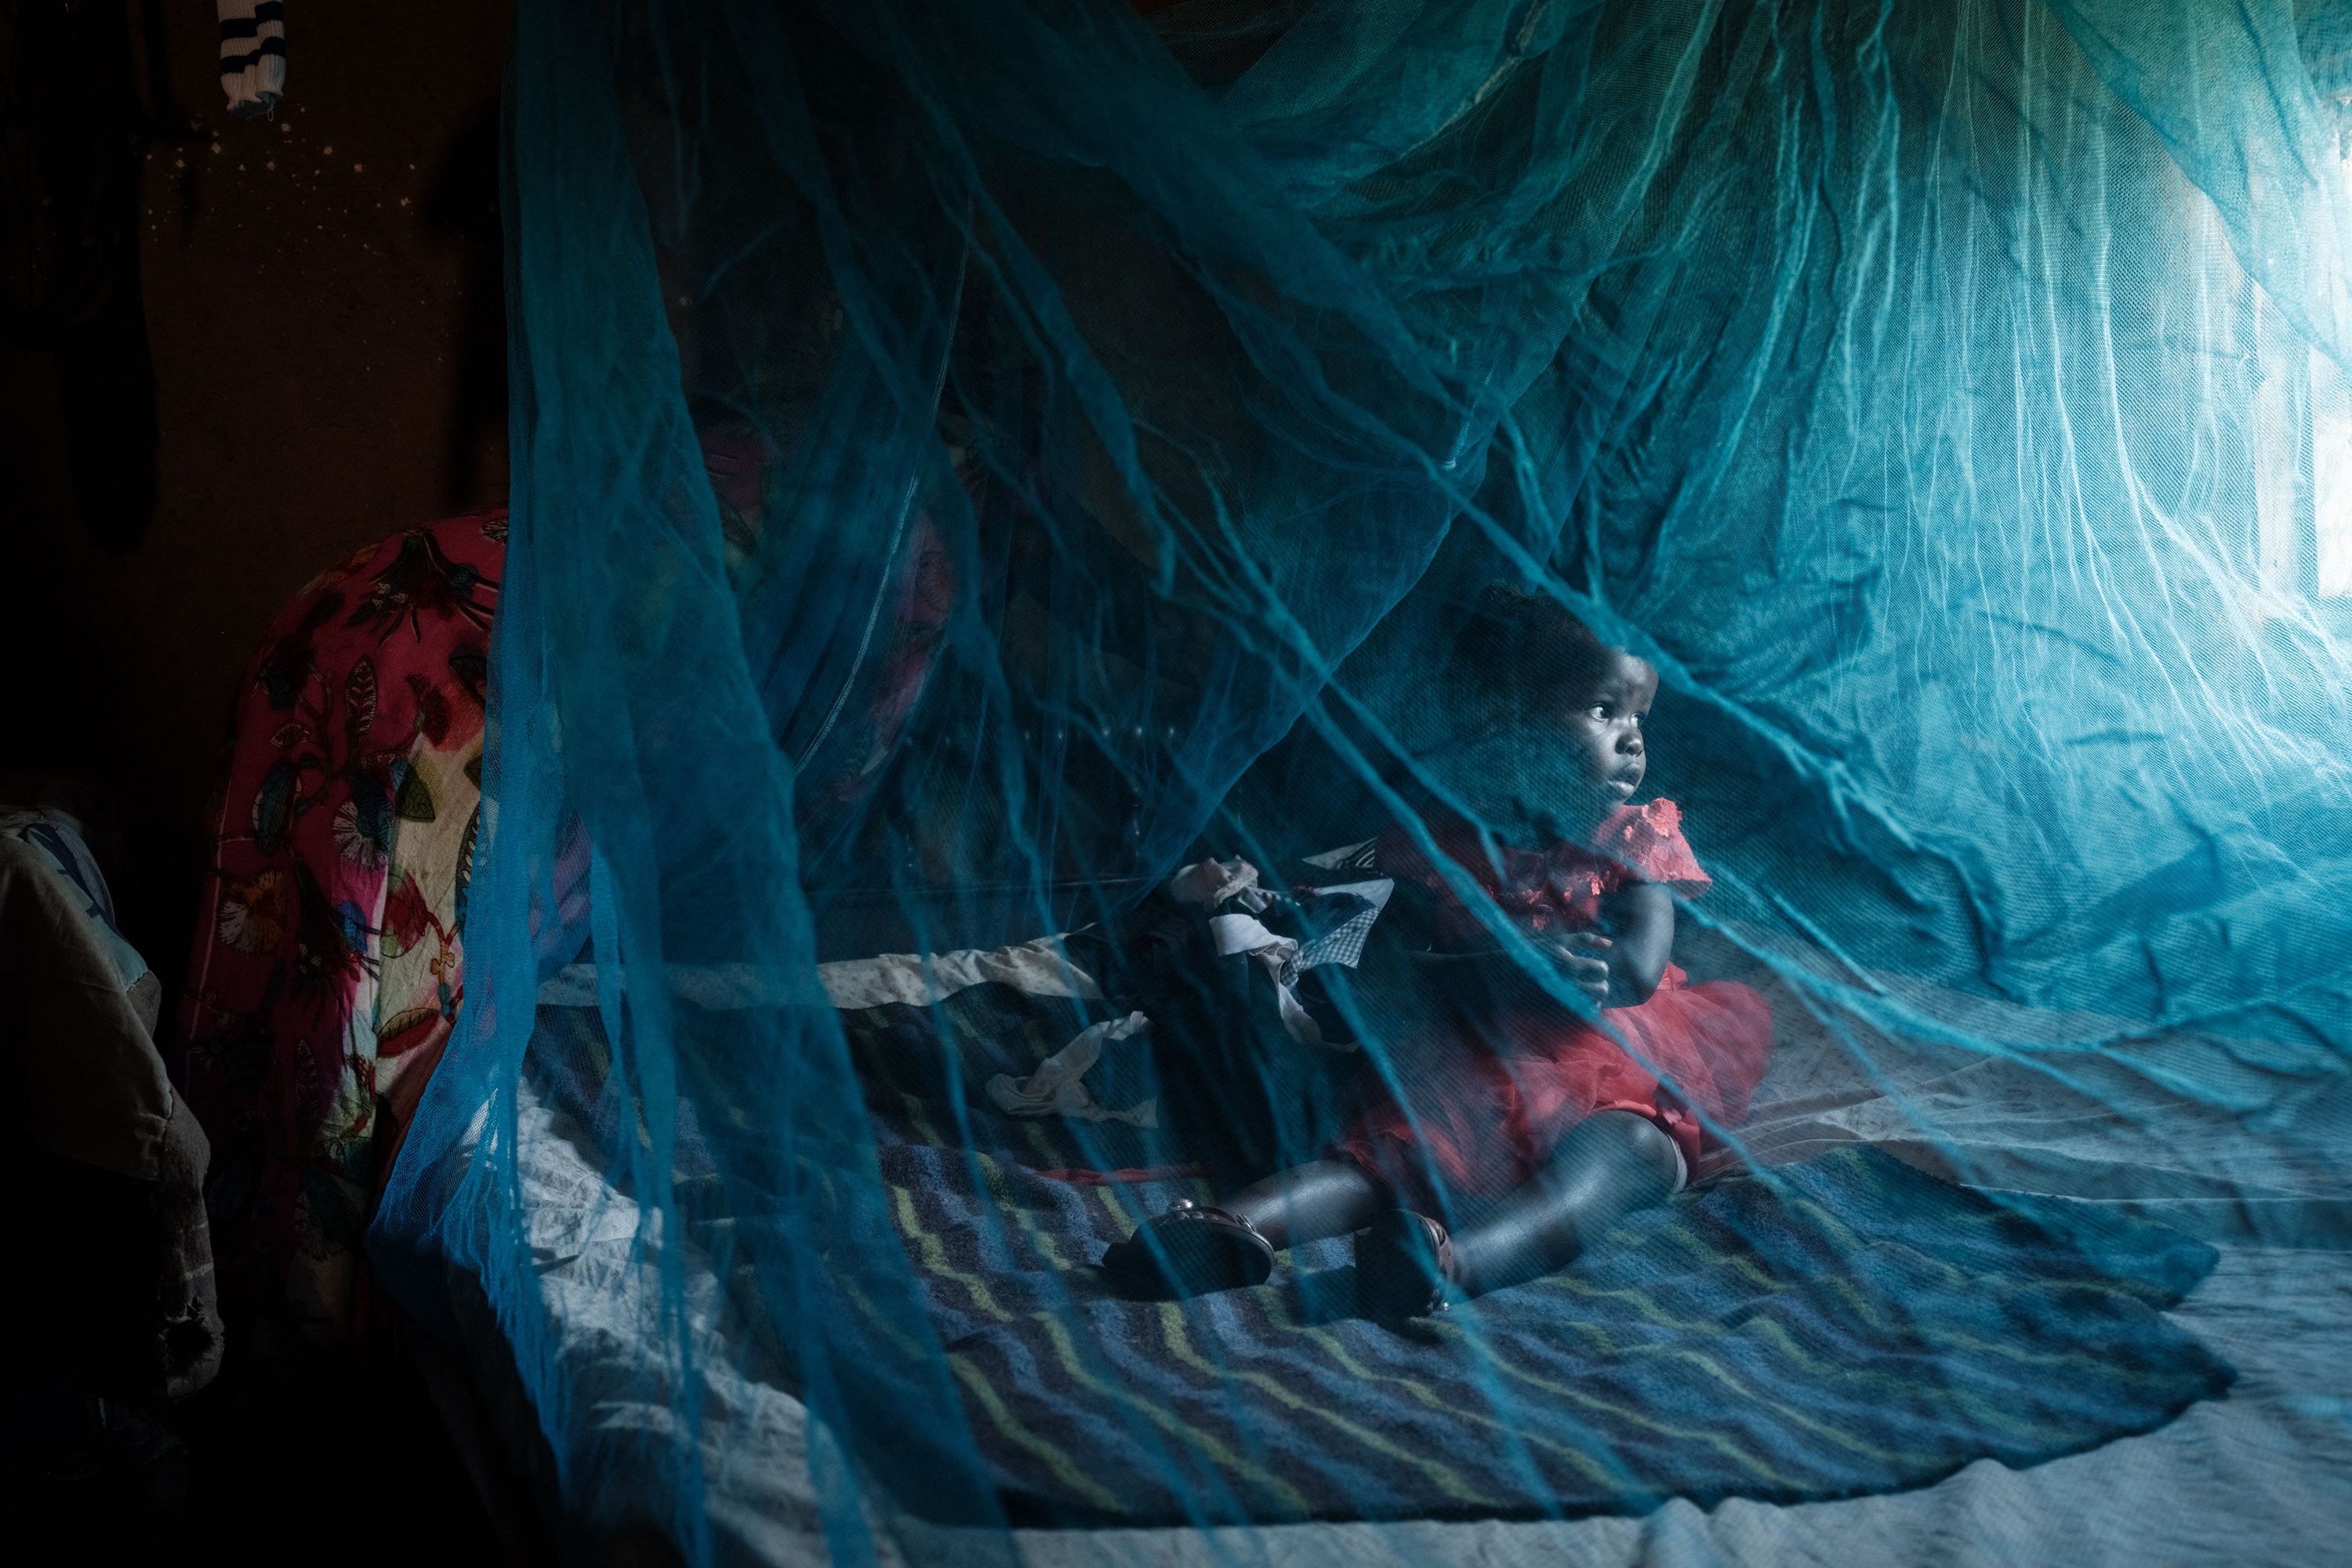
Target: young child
1512,1131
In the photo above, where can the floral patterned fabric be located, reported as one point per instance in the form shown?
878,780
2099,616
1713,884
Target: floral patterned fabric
328,969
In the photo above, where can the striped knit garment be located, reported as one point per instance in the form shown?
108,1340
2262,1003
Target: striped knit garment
252,55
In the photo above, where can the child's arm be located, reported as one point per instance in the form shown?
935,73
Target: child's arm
1621,965
1618,965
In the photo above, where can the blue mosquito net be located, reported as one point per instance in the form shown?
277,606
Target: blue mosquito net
975,458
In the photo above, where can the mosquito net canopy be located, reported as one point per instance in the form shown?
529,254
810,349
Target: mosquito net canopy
975,458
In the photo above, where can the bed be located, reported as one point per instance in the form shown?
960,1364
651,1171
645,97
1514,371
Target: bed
2223,1431
2215,1260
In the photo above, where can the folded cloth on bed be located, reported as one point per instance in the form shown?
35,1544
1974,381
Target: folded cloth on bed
1058,1086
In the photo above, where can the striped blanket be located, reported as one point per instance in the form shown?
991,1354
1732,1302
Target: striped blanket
1848,1326
1844,1327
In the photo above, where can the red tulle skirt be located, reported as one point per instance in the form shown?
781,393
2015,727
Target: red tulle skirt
1488,1110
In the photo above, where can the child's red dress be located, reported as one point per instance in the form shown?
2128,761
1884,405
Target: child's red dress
1487,1108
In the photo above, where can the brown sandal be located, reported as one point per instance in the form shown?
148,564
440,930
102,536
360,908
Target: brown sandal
1404,1266
1188,1251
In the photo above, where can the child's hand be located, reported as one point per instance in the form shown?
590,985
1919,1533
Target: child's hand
1582,956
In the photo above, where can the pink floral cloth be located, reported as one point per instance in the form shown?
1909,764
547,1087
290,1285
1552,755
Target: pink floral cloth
327,970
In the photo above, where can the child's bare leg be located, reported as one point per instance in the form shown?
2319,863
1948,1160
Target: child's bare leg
1308,1203
1190,1250
1612,1163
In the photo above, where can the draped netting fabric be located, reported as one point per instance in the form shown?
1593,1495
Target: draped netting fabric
1949,399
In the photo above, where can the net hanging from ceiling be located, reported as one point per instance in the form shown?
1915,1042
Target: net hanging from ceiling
975,460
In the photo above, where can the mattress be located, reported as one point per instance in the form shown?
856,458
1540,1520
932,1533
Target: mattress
2262,1475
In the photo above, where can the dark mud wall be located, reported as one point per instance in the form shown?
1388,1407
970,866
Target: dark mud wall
325,329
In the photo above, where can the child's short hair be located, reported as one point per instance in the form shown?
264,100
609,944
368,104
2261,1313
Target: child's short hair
1522,649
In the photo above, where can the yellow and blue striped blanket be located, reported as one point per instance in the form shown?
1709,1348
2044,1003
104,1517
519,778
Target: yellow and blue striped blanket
1844,1327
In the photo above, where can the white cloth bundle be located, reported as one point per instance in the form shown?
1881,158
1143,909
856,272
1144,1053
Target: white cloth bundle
1058,1086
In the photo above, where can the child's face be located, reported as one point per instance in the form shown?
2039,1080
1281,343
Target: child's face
1605,726
1554,774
